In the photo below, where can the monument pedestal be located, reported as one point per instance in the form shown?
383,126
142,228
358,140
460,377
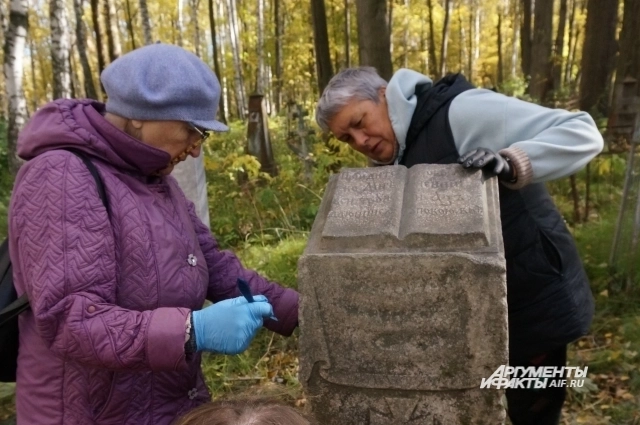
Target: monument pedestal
403,307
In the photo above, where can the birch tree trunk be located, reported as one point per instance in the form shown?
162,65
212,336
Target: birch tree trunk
113,33
445,37
500,79
516,37
223,35
405,35
390,26
477,17
179,25
260,80
60,46
222,111
14,43
81,40
237,64
462,40
4,24
278,53
146,23
433,63
321,43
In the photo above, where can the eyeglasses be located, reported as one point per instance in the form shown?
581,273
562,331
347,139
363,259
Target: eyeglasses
204,135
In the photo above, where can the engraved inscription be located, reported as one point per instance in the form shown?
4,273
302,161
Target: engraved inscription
366,202
444,212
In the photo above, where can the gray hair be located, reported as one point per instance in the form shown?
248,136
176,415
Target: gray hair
362,83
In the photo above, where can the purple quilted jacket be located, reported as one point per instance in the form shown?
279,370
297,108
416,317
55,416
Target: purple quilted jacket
103,342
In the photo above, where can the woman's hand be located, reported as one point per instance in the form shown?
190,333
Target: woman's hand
490,162
228,326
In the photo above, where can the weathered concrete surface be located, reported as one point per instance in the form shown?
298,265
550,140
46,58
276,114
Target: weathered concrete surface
403,306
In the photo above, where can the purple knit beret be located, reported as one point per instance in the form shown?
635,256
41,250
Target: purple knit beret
162,82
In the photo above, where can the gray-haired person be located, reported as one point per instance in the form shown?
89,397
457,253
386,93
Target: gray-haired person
412,120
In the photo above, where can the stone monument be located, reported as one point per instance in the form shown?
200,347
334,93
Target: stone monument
403,308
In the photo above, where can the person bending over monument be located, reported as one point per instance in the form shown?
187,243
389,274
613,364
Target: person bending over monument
116,288
252,411
412,120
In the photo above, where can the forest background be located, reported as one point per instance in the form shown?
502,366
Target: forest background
574,54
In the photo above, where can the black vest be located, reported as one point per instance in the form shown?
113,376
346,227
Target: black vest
548,294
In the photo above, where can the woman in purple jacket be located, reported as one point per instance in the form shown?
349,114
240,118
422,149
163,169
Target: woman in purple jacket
116,326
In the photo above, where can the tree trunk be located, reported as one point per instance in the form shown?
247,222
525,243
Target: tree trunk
95,18
629,59
598,55
14,44
374,50
405,36
390,25
321,43
222,112
433,64
445,37
179,25
541,50
132,34
278,54
500,59
559,47
260,80
60,46
347,33
4,24
194,5
146,23
81,40
464,47
223,63
73,83
237,64
34,80
516,37
477,16
526,37
113,33
570,42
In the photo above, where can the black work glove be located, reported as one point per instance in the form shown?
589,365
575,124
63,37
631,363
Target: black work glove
492,163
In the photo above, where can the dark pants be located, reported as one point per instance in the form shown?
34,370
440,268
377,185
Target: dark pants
530,406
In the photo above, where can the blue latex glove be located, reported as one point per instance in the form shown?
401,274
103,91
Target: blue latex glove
228,326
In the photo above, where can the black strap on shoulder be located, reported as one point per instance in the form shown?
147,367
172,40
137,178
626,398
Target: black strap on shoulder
94,172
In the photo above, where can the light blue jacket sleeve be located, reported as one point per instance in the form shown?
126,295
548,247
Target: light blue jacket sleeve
553,143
